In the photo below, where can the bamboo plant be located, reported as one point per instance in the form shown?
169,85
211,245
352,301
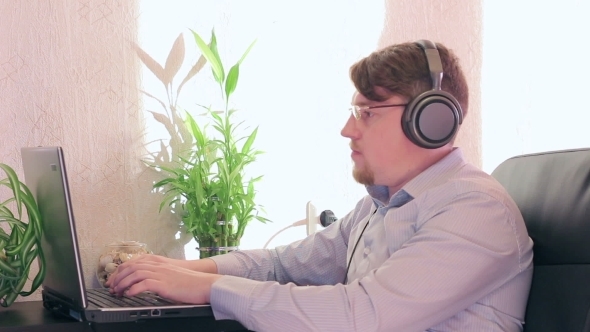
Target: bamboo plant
20,247
205,181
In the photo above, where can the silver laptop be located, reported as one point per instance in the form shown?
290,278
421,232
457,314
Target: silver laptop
64,290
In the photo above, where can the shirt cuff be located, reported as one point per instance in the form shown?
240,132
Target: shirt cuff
227,264
230,298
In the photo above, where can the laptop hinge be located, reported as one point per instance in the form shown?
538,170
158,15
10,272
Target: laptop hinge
61,307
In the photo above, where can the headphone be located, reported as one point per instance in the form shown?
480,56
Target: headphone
432,119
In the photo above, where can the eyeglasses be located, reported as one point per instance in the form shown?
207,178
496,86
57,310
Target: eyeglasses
363,111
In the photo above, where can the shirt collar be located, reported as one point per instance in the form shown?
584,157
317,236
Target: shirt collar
434,175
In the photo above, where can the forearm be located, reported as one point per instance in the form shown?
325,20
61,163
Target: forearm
268,306
201,265
251,264
316,260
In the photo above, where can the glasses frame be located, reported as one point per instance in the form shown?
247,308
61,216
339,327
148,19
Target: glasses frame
357,111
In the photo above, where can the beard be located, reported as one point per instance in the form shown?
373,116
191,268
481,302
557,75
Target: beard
363,176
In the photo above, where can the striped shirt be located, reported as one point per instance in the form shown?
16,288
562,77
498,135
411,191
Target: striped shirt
448,252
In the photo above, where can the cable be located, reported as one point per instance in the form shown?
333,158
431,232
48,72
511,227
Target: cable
277,233
355,245
326,218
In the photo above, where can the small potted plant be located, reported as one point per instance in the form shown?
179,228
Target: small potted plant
204,178
21,246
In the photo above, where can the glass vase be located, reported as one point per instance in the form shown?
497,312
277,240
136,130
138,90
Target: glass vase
222,243
205,252
115,254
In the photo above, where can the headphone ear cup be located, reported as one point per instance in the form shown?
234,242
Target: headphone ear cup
432,119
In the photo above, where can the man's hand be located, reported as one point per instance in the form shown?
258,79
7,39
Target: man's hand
201,265
160,275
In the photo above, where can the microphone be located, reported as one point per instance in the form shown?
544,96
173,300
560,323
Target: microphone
326,218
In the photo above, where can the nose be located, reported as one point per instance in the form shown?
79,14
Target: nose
350,129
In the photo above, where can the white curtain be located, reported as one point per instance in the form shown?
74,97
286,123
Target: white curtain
68,77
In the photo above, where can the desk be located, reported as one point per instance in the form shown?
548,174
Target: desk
31,316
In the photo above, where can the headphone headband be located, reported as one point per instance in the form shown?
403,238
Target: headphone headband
434,63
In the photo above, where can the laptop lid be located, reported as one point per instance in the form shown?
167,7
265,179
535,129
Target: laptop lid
46,176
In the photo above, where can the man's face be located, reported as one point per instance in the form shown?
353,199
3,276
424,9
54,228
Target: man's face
381,153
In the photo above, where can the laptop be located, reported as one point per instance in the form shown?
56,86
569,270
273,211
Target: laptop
64,290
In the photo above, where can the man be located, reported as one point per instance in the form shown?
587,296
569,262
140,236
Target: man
436,245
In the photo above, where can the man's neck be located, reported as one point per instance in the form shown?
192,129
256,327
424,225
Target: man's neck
430,160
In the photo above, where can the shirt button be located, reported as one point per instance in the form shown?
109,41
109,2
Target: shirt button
367,251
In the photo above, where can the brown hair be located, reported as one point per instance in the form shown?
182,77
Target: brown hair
402,69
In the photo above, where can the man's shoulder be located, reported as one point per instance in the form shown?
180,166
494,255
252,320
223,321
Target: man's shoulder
468,183
472,180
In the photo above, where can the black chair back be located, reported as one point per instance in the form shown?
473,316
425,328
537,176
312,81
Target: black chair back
552,190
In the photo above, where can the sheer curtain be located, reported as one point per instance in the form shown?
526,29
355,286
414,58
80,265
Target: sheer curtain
534,77
68,78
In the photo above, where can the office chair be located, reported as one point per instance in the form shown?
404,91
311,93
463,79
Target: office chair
552,190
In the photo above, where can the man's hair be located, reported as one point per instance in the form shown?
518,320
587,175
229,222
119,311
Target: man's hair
402,69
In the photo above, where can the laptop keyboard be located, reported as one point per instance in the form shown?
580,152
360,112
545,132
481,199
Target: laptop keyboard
103,298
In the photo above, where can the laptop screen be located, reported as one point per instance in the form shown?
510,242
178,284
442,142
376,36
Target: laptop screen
45,176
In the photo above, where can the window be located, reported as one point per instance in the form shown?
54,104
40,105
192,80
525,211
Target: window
294,85
534,78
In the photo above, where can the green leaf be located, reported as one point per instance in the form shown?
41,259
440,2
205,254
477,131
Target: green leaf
216,117
262,219
197,132
214,49
14,185
19,249
247,51
211,57
232,80
249,141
